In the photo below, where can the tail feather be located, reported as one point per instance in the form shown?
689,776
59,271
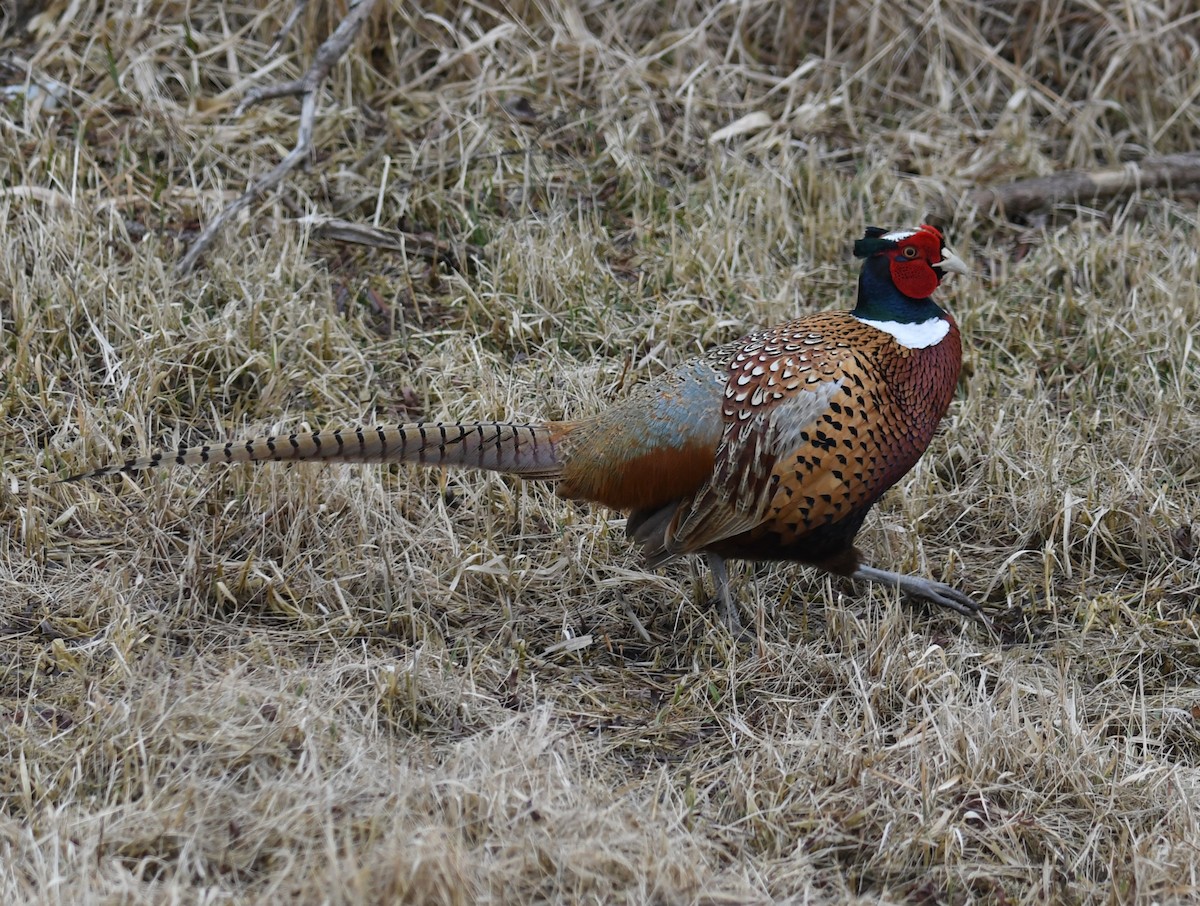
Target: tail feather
531,451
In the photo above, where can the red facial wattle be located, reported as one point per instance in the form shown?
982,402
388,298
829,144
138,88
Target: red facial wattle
913,276
912,263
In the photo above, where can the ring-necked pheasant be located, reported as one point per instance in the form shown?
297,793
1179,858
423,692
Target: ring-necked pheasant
773,447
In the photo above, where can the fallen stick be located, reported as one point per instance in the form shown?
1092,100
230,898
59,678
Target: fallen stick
1016,199
305,87
423,245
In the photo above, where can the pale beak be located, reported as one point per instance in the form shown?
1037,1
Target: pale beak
951,262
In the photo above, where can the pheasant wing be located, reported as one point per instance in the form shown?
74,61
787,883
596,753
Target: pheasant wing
737,496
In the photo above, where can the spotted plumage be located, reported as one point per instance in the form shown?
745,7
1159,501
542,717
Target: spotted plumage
773,447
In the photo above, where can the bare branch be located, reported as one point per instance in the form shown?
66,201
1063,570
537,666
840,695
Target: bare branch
1172,172
330,51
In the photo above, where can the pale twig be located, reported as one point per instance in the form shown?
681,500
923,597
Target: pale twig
305,87
286,28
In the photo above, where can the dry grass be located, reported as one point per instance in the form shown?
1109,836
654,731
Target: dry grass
365,684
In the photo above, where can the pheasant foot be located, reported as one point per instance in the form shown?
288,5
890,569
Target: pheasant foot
926,590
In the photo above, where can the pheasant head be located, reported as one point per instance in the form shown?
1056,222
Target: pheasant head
901,270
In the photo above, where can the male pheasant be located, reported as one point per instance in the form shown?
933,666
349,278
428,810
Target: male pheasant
773,447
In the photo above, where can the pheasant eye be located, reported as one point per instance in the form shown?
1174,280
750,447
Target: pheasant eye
910,251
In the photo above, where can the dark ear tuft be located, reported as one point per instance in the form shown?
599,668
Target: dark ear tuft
865,248
874,232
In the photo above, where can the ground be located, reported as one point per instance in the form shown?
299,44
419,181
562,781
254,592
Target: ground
373,684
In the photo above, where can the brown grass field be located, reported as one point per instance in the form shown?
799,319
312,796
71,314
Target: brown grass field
372,684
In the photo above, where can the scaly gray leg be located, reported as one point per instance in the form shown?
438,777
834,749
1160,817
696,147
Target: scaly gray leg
927,590
725,603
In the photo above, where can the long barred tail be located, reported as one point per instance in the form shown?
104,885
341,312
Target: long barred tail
531,451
